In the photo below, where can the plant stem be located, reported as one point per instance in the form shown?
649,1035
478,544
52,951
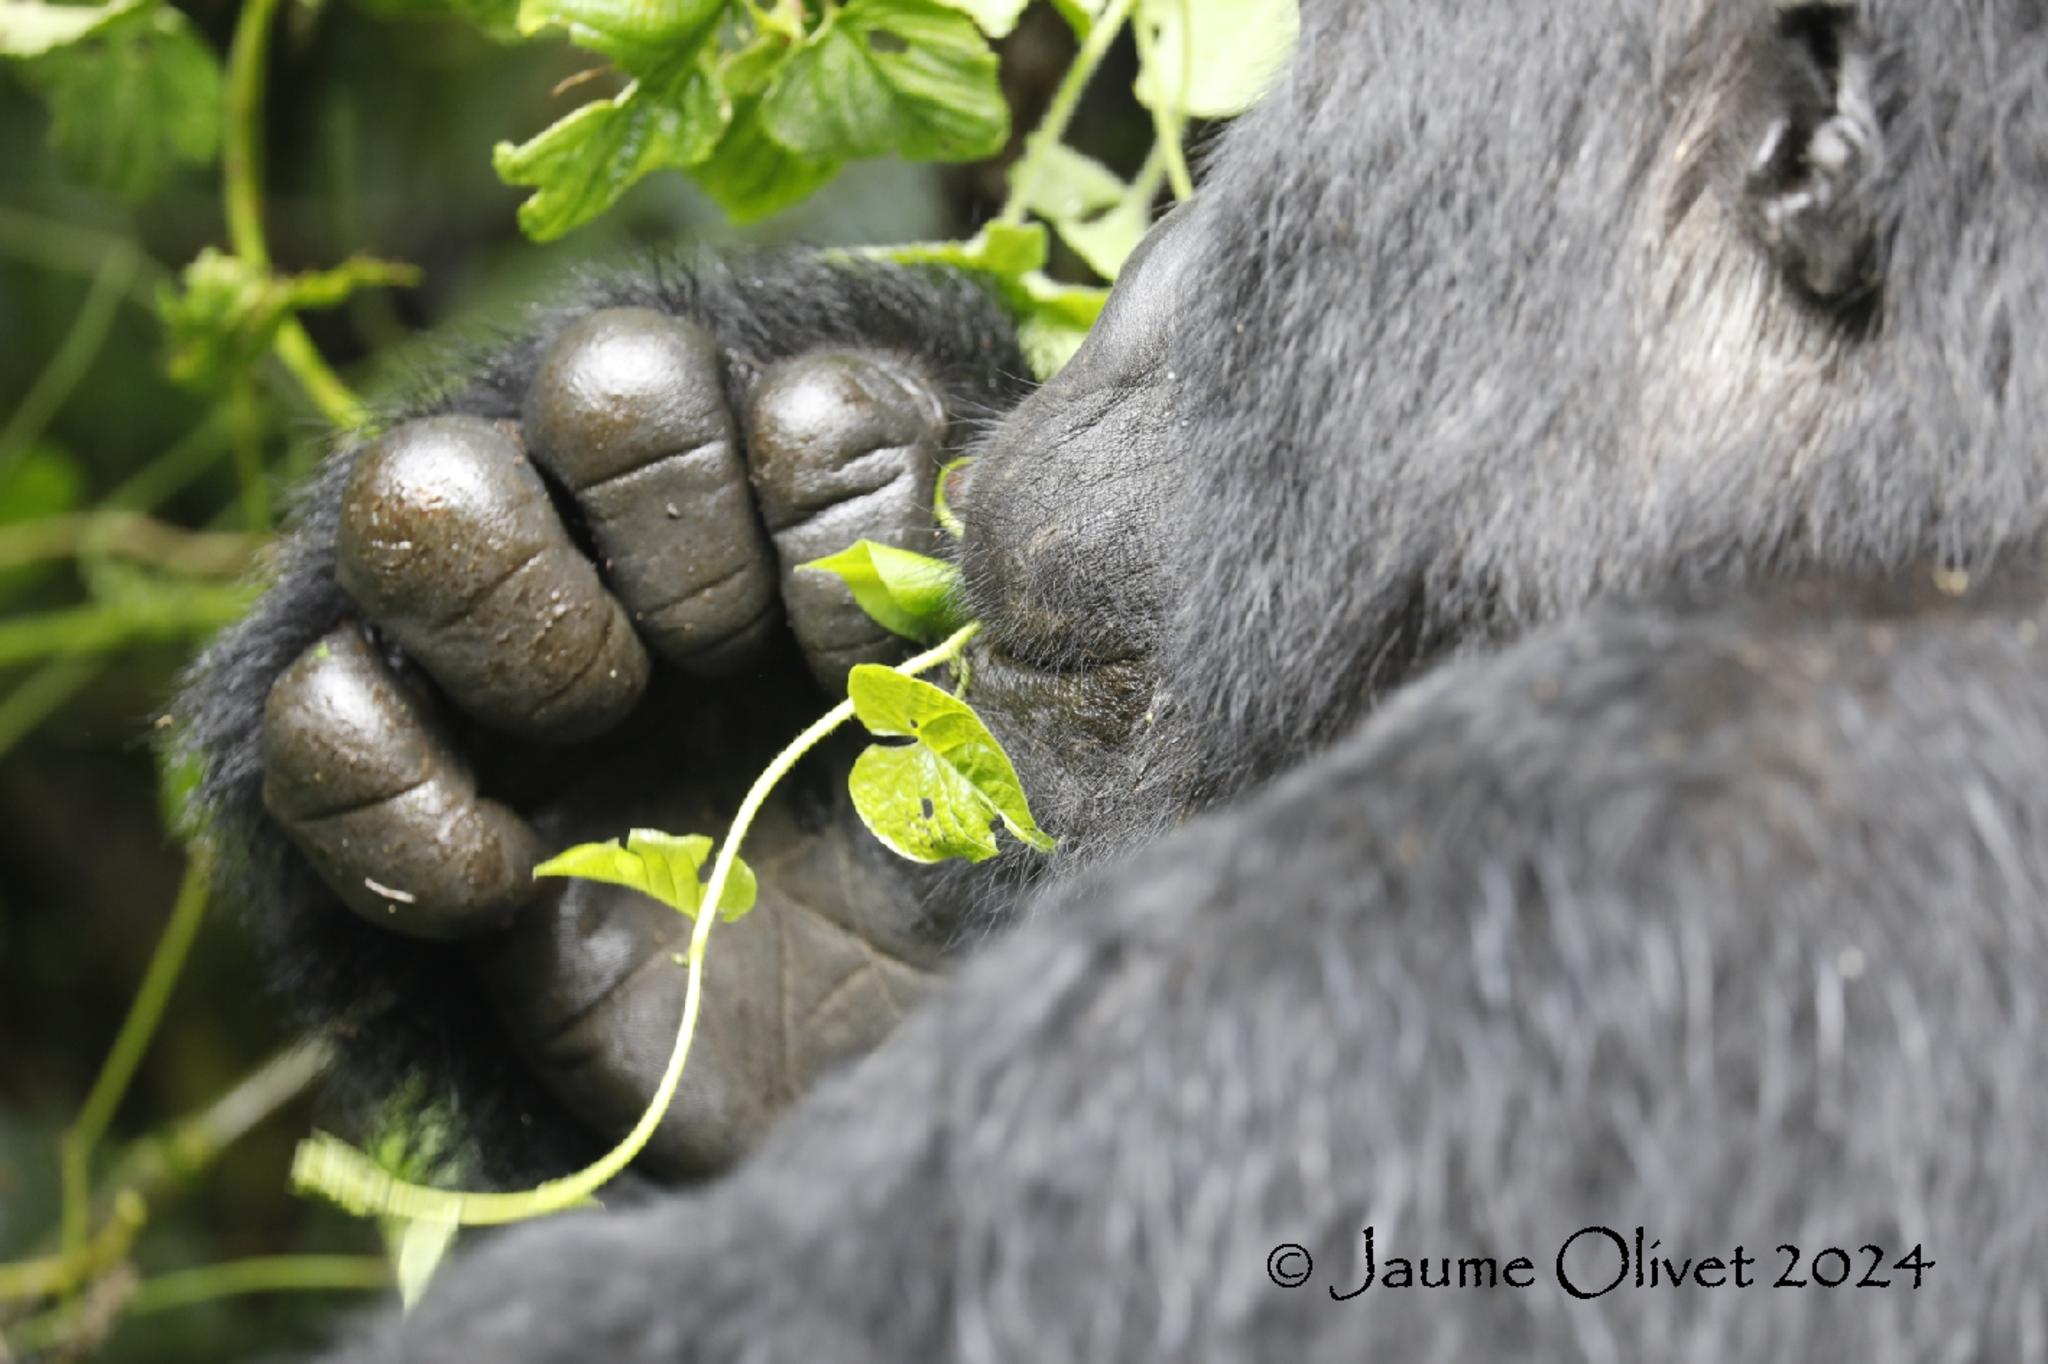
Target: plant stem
232,1278
242,192
48,1275
80,347
193,1142
242,138
195,553
1024,176
192,610
1168,128
72,249
328,1166
75,1148
146,1169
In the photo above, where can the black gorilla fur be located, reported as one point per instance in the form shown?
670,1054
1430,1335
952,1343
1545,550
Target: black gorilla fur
1727,925
1718,913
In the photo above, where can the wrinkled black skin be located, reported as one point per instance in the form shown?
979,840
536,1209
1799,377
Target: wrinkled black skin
1722,918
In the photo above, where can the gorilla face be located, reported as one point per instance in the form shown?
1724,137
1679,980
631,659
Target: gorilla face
1072,512
1728,293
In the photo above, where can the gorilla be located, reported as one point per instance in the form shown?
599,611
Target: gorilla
1525,615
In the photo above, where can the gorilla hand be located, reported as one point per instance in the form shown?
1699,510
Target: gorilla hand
567,603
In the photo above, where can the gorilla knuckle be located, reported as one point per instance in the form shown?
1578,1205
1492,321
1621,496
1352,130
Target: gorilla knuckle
378,802
449,542
628,410
844,446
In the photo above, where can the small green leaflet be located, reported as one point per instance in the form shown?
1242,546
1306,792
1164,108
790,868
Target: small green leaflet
668,867
131,95
907,594
1001,249
939,796
1052,318
1054,321
228,311
581,165
670,116
912,77
1095,213
751,175
414,1247
1211,58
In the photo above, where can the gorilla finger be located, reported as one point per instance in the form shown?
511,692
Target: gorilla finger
380,805
450,544
845,446
628,409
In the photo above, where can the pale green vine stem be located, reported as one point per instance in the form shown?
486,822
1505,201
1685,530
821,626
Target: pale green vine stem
242,191
1168,128
76,1147
235,1278
330,1167
74,356
1058,114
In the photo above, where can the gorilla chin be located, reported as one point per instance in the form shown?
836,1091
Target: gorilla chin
1525,616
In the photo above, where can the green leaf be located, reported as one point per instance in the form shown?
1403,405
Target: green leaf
643,36
1006,249
414,1247
752,68
132,101
909,77
1211,58
907,594
29,29
918,806
1052,318
938,796
996,17
752,176
1053,321
581,165
668,867
1095,213
228,311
